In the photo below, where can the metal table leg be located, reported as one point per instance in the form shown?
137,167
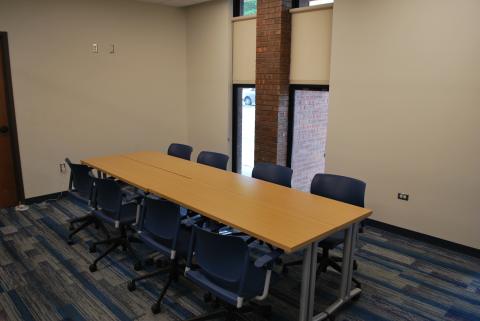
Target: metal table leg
308,273
346,291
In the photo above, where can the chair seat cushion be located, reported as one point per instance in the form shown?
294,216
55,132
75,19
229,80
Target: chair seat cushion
164,246
201,280
128,215
333,241
229,292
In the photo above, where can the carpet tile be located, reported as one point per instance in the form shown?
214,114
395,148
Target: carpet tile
42,278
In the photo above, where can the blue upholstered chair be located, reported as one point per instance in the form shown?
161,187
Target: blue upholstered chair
160,229
180,151
272,173
213,159
219,161
80,188
224,267
115,208
276,174
340,188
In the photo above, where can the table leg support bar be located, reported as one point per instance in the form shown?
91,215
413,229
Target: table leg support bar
336,305
346,291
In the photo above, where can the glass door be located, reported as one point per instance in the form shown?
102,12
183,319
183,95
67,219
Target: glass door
308,116
243,143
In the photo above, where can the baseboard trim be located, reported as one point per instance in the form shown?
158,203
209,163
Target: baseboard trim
43,198
425,238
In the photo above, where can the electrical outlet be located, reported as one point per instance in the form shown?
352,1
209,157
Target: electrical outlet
403,196
95,48
63,167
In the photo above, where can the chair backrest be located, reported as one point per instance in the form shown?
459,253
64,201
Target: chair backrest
161,218
340,188
224,259
213,159
107,195
80,180
272,173
180,151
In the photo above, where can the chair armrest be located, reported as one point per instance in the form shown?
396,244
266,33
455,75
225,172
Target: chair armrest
267,259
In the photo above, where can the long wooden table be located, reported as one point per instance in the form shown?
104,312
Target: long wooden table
286,218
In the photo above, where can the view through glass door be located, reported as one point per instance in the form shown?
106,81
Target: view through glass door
243,129
308,117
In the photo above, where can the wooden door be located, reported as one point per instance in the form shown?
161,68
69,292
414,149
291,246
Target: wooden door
8,183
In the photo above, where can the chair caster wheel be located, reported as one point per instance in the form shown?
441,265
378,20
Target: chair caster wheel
207,298
149,261
131,286
137,266
156,308
92,249
70,242
71,227
92,268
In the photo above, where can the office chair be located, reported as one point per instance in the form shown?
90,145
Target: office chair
219,161
343,189
113,207
213,159
80,187
160,229
272,173
223,267
180,151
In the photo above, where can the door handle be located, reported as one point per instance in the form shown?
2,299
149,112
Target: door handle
3,129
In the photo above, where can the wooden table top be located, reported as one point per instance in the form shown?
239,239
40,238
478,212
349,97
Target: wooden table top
284,217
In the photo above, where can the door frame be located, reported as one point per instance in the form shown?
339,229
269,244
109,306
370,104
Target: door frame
291,113
12,123
235,108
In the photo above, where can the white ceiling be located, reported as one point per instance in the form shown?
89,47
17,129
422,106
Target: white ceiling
176,3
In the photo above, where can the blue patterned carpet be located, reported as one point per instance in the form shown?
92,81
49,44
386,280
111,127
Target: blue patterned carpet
42,278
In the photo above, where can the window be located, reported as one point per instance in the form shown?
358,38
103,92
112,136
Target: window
309,3
244,8
308,116
243,143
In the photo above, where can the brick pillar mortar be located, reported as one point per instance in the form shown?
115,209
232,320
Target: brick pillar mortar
272,80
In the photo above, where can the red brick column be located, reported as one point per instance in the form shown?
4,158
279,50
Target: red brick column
272,80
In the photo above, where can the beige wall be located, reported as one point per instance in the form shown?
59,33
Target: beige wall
209,65
311,46
404,111
244,51
72,102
